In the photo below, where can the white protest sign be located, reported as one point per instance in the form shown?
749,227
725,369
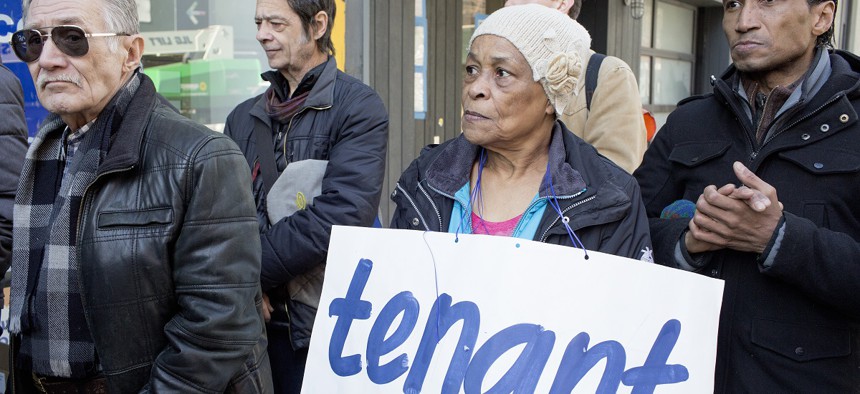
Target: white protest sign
406,312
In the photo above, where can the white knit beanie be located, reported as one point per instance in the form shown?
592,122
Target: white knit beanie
553,44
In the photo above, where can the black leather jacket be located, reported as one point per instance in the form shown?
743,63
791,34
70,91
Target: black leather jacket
171,260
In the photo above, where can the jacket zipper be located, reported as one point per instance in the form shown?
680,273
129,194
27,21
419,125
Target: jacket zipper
566,210
807,116
739,114
758,126
529,208
432,204
754,152
283,135
414,206
86,201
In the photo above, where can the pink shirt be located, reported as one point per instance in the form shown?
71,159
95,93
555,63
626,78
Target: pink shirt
506,228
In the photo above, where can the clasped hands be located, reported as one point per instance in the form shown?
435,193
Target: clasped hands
739,218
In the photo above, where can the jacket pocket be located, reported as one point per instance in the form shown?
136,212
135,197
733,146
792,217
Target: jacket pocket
256,376
692,154
801,343
149,217
303,147
820,161
816,211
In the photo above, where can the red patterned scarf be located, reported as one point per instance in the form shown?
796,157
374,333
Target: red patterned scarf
283,110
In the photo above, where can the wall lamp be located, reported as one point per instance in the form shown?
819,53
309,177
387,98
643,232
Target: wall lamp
637,8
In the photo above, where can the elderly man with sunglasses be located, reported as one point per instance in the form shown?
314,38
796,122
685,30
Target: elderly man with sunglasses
136,263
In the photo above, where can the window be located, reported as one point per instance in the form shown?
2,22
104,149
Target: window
667,61
420,59
202,56
474,12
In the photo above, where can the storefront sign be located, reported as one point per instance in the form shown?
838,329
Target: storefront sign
180,41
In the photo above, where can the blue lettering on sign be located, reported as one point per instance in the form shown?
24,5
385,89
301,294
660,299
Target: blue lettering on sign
378,346
578,359
523,375
442,317
468,369
645,379
348,309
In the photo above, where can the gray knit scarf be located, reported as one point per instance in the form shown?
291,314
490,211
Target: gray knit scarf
46,304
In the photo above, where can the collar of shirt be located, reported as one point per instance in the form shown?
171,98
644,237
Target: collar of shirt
73,138
282,87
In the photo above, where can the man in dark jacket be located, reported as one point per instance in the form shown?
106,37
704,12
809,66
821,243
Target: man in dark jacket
317,138
783,118
13,146
135,267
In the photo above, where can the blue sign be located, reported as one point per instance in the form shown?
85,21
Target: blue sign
10,21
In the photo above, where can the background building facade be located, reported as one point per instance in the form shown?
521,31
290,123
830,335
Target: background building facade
205,59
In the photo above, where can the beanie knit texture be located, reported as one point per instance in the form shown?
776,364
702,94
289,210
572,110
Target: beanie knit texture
554,45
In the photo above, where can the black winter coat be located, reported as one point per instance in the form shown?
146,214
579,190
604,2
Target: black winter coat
607,217
343,121
793,326
13,146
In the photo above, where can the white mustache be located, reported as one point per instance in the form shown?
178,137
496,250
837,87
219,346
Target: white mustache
43,79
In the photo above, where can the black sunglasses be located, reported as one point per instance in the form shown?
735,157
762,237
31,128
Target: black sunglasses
71,40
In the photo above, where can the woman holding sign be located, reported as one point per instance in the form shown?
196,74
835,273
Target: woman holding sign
516,170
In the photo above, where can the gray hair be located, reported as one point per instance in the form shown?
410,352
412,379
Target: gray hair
120,16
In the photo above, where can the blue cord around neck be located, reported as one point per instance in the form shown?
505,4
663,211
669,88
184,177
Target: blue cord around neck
552,200
475,195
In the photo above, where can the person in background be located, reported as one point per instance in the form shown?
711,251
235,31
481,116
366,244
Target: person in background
13,146
613,121
758,184
315,142
515,170
135,265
